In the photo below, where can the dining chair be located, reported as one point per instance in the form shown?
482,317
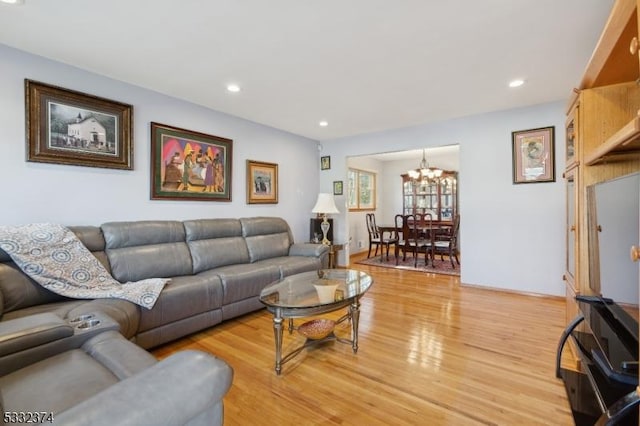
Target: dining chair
416,237
447,243
374,233
377,238
428,237
400,232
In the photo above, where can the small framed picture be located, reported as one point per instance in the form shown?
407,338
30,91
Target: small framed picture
325,163
337,187
533,155
262,182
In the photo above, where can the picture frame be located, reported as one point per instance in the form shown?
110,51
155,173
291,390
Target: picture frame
189,165
533,155
325,163
68,127
262,182
338,187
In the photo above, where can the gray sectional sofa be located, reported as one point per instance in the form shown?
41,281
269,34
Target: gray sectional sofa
79,362
217,268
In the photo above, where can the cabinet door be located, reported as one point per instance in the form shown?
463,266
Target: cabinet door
408,196
448,192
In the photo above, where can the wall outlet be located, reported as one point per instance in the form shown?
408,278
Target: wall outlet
360,244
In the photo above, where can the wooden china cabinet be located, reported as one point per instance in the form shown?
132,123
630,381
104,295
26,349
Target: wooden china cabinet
439,195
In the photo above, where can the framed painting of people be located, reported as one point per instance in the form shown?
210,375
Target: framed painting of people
189,165
74,128
262,182
533,154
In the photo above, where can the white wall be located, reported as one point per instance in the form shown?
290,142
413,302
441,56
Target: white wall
511,236
72,195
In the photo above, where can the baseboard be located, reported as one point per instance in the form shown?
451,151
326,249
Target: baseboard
511,291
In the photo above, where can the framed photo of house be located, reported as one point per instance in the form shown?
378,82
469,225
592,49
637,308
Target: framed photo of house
325,163
189,165
337,187
262,182
74,128
533,155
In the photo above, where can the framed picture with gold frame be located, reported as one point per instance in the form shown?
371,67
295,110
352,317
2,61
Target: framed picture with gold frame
262,182
188,165
533,155
78,129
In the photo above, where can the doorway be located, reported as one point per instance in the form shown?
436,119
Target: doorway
389,168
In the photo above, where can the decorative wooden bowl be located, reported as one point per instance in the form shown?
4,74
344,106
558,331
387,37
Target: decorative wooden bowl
317,329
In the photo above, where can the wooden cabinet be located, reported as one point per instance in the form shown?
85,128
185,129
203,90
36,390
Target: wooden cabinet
602,143
439,195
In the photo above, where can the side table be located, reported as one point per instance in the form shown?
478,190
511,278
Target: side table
333,251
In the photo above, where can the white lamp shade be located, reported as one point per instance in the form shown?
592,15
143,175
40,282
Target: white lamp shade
325,204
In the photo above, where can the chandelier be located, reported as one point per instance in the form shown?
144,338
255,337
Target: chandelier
424,171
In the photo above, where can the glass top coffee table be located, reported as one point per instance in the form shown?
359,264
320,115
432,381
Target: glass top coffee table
311,293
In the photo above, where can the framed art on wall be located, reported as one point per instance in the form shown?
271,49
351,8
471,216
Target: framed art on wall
325,163
262,182
337,187
189,165
75,128
533,154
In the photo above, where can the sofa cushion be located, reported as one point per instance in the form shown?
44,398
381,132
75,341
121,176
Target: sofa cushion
266,237
183,297
146,249
291,265
243,281
57,383
18,291
215,242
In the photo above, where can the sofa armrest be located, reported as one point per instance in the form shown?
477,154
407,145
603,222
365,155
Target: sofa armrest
308,249
28,332
171,392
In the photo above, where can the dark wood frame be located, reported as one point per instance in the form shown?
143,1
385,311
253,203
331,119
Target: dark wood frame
338,187
541,138
46,146
271,195
325,163
166,141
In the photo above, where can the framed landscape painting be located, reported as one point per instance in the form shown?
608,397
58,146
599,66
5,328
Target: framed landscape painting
75,128
262,182
533,155
188,165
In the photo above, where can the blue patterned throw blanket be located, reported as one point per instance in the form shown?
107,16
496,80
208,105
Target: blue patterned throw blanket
56,259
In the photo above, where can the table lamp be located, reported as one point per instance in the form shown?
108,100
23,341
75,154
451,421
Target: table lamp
324,206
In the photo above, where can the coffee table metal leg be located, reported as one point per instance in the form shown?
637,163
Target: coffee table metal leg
354,311
277,332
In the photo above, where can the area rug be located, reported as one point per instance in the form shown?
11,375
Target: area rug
441,267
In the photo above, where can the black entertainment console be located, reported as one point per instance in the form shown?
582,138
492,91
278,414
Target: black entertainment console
604,391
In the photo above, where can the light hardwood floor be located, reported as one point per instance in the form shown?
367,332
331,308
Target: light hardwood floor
432,352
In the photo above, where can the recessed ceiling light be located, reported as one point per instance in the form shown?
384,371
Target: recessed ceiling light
516,83
233,88
12,1
323,123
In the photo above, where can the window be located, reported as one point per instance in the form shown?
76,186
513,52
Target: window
362,190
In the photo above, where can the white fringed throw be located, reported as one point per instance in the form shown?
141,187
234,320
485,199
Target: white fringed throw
56,259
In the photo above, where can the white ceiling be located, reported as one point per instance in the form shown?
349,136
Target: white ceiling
362,65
